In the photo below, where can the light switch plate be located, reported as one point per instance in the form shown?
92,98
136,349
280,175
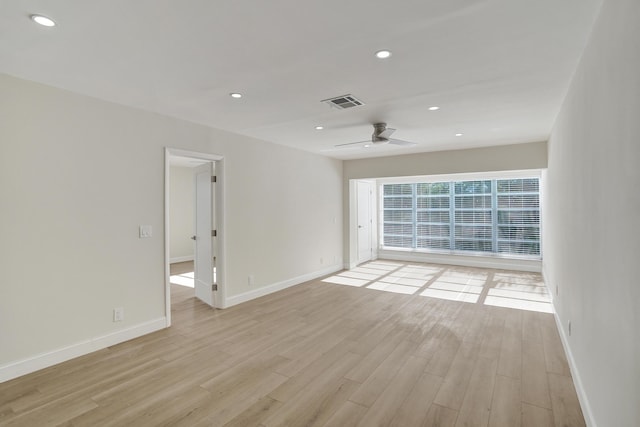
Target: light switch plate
146,231
118,314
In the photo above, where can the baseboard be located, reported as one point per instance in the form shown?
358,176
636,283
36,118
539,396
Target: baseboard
464,260
44,360
275,287
181,259
575,374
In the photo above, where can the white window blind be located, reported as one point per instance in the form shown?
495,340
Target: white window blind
495,216
518,216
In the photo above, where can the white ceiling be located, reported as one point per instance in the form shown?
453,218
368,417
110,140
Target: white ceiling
498,69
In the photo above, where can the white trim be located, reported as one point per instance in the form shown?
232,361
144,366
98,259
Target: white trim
44,360
587,412
192,154
349,265
466,176
167,240
463,260
275,287
181,259
220,218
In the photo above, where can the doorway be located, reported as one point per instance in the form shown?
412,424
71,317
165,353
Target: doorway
363,218
364,207
204,232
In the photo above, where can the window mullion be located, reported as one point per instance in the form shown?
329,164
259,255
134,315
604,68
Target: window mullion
494,215
452,215
414,215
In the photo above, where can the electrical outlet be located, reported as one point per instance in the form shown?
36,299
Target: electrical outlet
251,280
118,314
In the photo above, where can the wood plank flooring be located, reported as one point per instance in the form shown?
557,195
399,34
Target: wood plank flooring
385,344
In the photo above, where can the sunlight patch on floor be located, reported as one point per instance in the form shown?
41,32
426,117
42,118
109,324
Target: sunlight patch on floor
185,280
360,276
450,295
406,280
392,287
521,291
456,285
542,307
464,278
510,289
346,281
399,280
527,296
534,289
521,278
384,266
367,270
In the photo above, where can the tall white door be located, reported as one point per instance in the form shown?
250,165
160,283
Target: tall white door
204,250
365,243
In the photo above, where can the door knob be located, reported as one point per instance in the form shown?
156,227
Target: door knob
360,226
193,237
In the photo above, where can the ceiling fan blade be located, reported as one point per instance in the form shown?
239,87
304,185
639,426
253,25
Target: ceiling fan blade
344,148
353,143
385,134
401,142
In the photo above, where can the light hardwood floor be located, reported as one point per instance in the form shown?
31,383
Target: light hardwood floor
385,344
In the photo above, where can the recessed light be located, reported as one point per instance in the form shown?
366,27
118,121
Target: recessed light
43,20
434,108
235,95
319,127
459,134
383,54
367,145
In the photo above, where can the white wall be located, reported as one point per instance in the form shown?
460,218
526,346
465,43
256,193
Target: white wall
498,158
77,178
181,213
592,218
489,159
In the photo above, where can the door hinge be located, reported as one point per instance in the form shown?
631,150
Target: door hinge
214,233
214,287
214,179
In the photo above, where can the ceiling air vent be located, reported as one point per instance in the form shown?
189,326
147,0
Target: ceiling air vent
343,102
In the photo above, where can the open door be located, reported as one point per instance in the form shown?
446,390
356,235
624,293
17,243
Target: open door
364,191
204,265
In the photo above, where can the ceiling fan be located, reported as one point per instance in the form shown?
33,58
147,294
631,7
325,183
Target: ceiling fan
381,136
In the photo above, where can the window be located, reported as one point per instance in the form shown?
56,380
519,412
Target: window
495,216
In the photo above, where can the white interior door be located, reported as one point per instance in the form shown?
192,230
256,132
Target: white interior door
363,208
204,250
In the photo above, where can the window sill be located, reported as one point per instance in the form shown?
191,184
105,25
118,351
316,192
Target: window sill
496,261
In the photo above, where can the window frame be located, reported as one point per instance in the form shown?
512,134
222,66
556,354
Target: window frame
451,178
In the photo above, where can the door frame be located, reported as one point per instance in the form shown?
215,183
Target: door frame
220,223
